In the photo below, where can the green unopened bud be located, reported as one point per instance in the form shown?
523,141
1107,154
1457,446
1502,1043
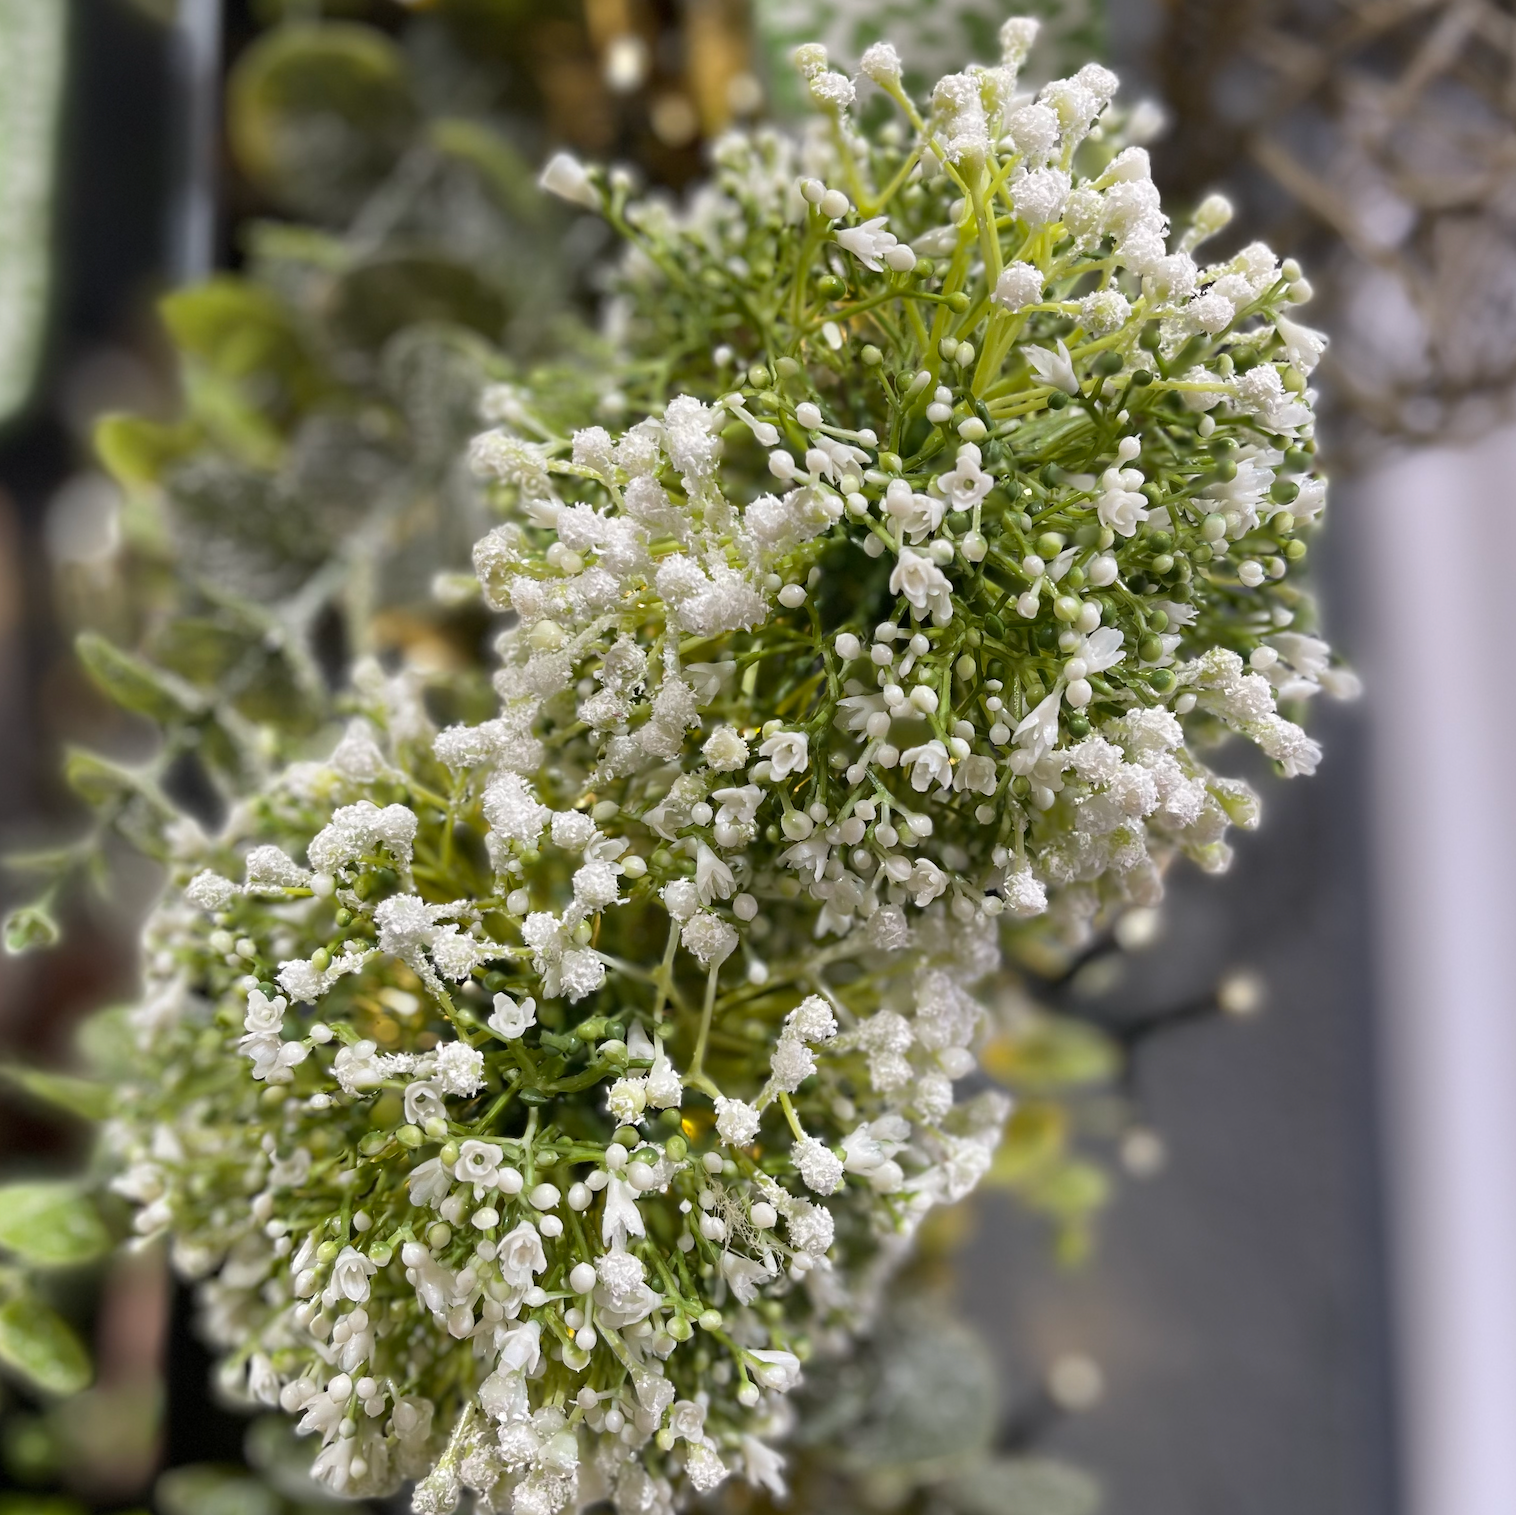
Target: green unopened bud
29,929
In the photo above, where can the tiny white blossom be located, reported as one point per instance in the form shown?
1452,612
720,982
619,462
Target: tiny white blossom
509,1020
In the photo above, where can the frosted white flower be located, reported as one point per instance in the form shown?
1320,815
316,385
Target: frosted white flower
1038,196
881,63
703,1464
710,938
736,1122
209,891
1024,893
271,868
725,749
1105,311
1019,285
818,1165
459,1068
1211,312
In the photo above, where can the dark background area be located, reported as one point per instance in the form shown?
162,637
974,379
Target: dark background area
1235,1302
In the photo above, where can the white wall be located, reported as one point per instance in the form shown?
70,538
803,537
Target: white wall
1435,538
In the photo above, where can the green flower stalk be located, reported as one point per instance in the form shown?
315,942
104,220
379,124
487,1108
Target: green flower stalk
535,1097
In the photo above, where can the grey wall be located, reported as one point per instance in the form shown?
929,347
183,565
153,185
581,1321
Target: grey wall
1235,1301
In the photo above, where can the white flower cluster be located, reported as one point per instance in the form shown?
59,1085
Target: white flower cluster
604,1054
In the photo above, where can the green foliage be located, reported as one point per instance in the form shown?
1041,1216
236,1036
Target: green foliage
30,928
136,452
204,1488
318,114
43,1504
51,1224
1053,1054
1021,1486
39,1346
135,685
33,50
78,1096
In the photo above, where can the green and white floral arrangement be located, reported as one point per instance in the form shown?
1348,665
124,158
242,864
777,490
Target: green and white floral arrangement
534,1098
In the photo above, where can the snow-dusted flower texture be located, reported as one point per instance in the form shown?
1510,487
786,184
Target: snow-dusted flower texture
535,1097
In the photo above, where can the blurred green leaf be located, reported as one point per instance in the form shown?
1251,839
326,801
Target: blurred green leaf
41,1346
79,1096
1053,1053
510,179
282,1458
287,242
1069,1189
923,1391
375,300
134,684
205,1488
99,781
30,928
136,452
41,1504
1035,1135
51,1224
318,113
236,327
1021,1486
250,375
33,48
105,1041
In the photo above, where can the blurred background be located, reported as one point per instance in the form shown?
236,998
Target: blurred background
1297,1292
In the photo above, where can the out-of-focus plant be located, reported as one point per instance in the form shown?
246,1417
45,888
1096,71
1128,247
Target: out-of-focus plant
32,50
931,38
299,514
1380,139
620,1214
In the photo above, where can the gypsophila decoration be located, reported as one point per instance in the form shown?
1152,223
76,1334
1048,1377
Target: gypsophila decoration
534,1098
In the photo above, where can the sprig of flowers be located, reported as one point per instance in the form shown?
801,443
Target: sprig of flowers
535,1097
